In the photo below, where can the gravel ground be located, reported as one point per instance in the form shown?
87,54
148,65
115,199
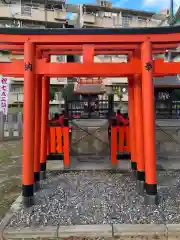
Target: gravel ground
96,197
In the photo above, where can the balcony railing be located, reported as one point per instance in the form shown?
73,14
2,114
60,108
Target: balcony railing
24,12
89,18
17,98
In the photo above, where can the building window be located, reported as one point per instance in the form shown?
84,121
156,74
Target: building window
126,21
103,3
108,14
142,20
26,10
58,96
17,89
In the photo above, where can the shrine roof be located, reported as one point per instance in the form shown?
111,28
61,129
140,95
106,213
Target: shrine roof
89,89
90,31
167,81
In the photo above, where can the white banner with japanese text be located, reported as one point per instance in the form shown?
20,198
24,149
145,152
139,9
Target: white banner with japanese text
4,94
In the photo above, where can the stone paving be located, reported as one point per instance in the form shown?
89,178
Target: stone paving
99,197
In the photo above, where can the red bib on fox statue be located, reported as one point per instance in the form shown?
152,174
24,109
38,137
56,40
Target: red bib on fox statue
121,119
61,120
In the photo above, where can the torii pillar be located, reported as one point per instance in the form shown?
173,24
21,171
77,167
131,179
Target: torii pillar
28,124
132,123
149,123
44,126
37,143
139,138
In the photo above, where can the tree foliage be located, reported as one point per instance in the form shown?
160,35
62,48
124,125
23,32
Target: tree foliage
177,93
52,93
67,92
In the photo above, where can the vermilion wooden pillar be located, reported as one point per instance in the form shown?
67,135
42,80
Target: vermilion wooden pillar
149,122
139,133
37,145
44,125
88,54
132,123
29,126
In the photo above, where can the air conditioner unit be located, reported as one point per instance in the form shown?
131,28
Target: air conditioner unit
17,23
62,80
60,58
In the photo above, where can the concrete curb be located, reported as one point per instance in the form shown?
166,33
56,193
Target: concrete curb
14,207
91,231
118,231
55,165
48,232
140,231
173,231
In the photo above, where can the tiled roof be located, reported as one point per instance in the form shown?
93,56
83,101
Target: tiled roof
89,88
175,18
178,13
167,81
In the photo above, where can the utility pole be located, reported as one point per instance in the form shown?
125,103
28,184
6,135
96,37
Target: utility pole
45,9
171,11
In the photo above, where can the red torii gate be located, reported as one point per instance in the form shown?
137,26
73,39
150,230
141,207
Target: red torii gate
139,44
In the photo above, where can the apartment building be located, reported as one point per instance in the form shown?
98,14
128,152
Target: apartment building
58,14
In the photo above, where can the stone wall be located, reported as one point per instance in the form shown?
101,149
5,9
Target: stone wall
91,139
168,138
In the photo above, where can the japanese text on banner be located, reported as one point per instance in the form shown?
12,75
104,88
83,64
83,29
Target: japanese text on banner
4,93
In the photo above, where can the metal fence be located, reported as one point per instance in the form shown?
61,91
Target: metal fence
90,109
167,110
10,126
167,103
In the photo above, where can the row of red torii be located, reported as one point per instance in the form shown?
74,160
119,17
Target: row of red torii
36,68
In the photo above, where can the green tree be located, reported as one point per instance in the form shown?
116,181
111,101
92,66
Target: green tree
177,92
52,93
68,94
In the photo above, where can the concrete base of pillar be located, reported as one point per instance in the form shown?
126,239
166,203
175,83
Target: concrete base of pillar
66,167
28,201
36,186
134,174
140,187
114,167
42,175
151,199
